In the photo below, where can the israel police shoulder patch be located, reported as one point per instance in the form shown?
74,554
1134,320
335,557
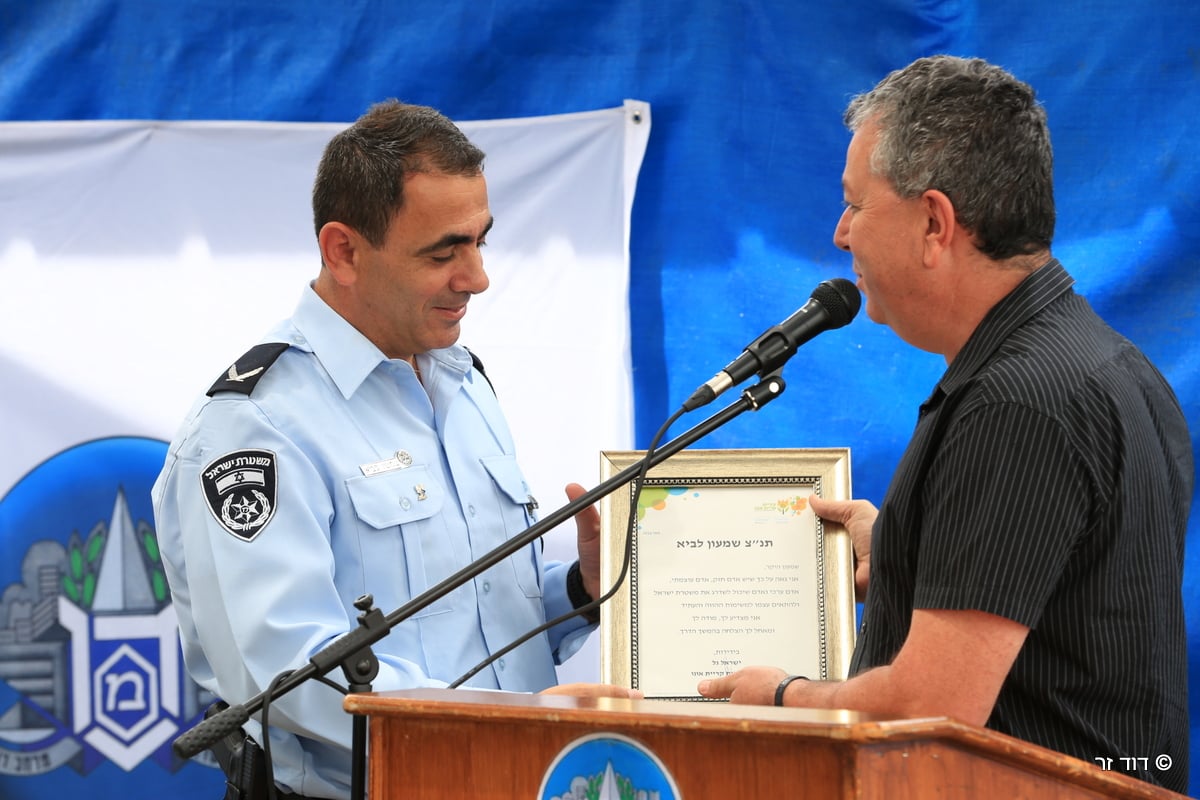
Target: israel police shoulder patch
239,488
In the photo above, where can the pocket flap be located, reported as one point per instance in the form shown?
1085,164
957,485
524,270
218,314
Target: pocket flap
395,498
508,477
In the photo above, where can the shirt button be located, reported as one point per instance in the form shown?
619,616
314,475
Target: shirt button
471,510
405,503
500,663
487,586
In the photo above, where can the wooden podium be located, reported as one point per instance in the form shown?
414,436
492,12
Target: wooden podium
435,743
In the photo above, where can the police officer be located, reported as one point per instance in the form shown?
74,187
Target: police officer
359,449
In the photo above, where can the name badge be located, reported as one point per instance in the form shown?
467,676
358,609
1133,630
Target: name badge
401,460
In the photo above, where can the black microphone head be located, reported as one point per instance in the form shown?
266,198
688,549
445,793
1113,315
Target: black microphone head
840,298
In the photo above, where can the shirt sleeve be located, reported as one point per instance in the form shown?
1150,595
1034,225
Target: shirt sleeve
568,636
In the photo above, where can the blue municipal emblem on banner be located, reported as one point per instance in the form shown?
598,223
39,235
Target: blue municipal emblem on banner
607,766
91,671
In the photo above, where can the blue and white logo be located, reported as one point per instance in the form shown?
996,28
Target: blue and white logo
607,766
91,672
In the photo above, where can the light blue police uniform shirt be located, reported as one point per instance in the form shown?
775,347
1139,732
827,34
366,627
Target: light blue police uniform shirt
381,486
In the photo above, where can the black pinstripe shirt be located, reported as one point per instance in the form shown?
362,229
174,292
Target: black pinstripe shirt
1048,481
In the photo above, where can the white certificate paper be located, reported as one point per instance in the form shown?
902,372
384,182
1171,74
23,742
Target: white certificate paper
725,577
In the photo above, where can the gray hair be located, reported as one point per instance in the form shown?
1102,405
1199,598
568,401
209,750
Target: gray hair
360,180
974,132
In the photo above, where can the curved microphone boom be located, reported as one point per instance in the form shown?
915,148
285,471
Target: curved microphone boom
832,304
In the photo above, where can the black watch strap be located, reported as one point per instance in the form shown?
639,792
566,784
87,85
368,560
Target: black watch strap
578,595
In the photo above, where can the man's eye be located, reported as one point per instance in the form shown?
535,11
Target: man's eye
443,258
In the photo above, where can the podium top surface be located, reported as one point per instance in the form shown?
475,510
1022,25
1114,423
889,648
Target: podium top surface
639,713
850,728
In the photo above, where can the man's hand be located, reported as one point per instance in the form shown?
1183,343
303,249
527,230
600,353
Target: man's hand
858,518
952,664
748,686
593,690
587,524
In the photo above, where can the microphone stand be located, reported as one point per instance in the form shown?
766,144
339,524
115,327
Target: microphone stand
352,651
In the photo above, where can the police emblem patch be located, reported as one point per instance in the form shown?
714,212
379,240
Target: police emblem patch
240,490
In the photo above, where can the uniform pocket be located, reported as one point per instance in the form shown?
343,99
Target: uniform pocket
518,512
399,511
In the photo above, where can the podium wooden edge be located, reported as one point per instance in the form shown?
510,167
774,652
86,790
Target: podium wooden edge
801,723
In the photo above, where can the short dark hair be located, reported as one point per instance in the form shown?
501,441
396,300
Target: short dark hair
360,180
971,130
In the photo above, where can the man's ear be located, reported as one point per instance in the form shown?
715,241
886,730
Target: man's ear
942,229
340,250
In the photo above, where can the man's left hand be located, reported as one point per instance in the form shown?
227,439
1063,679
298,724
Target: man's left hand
593,690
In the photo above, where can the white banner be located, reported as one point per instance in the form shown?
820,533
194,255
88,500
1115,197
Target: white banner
138,259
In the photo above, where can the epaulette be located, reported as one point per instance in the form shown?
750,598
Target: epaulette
475,362
243,375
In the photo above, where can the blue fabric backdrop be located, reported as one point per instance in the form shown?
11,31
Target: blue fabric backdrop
739,190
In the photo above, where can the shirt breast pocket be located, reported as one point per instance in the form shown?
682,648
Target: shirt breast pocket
516,505
404,539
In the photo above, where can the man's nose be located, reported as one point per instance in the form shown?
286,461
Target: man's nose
841,233
472,277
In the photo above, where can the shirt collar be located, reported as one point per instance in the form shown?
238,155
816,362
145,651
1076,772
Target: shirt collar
349,358
1041,287
347,355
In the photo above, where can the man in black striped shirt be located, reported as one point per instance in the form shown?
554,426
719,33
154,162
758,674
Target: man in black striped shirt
1025,567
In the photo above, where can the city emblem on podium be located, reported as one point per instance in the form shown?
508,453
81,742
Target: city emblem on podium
607,766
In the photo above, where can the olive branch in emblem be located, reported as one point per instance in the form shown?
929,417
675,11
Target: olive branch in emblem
244,514
83,565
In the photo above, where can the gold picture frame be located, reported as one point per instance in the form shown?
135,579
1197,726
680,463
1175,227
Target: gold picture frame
729,567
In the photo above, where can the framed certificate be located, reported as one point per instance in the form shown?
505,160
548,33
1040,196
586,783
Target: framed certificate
728,567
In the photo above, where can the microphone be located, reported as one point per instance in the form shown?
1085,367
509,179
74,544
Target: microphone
832,304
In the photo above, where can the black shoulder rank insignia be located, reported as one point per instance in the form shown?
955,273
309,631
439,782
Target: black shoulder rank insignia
245,373
478,365
239,488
